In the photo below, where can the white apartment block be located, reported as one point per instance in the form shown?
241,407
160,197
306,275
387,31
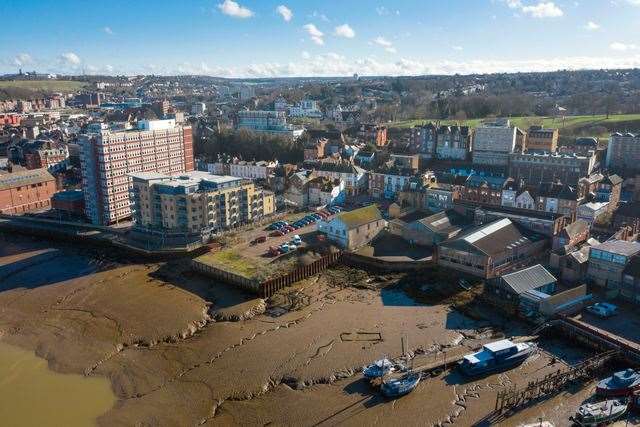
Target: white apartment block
107,157
492,144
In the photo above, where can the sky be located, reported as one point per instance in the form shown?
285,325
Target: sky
279,38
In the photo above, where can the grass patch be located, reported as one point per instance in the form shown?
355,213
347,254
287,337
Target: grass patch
230,260
43,85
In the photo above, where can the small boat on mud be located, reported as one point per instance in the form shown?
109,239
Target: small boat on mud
600,413
397,387
496,356
621,383
380,368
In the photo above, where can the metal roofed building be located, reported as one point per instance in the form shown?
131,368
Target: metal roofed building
534,278
491,249
608,260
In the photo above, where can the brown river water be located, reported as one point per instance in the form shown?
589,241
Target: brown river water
33,395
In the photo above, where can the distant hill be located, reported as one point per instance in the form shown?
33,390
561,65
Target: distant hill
20,89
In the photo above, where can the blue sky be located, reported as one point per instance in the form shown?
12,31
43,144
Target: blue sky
257,38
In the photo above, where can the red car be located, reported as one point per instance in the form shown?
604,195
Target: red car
259,239
277,233
288,228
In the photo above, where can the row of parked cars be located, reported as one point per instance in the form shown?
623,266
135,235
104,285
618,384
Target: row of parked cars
280,228
285,247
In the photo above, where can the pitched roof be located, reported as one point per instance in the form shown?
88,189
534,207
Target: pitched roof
24,177
576,228
530,278
445,221
620,247
358,217
492,238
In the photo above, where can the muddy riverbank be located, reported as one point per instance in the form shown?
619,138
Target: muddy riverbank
181,350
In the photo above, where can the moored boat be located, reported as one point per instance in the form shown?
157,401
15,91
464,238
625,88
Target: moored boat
621,383
596,414
380,368
397,387
496,356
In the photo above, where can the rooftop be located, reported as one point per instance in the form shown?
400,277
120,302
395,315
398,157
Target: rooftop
361,216
529,278
620,247
24,177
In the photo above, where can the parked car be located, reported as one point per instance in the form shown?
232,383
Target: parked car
292,248
288,228
273,251
277,233
602,309
296,240
259,239
316,216
284,248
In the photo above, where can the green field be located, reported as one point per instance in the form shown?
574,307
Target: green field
43,85
569,126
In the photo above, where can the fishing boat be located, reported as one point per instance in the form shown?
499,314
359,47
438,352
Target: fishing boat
396,387
496,356
596,414
380,368
634,402
621,383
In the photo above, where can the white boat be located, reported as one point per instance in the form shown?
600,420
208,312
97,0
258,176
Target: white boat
600,413
496,356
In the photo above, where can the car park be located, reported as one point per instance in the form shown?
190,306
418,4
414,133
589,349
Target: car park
296,240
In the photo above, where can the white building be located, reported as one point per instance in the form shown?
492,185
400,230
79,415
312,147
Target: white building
493,142
306,108
268,122
107,157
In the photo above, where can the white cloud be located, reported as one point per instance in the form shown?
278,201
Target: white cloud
540,10
345,30
305,54
285,12
381,10
458,48
232,8
622,47
381,41
384,43
108,30
634,2
543,10
591,26
22,59
314,33
70,59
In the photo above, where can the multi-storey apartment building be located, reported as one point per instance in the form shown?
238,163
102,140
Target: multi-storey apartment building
542,139
268,122
493,142
546,167
623,152
454,142
108,157
424,140
196,201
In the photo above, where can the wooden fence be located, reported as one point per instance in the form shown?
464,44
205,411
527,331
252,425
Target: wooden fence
271,286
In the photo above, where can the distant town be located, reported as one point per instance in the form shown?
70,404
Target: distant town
511,200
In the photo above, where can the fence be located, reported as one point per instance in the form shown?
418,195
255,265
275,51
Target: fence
271,286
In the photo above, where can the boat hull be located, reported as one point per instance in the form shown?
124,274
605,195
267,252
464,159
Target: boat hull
394,390
616,392
497,366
